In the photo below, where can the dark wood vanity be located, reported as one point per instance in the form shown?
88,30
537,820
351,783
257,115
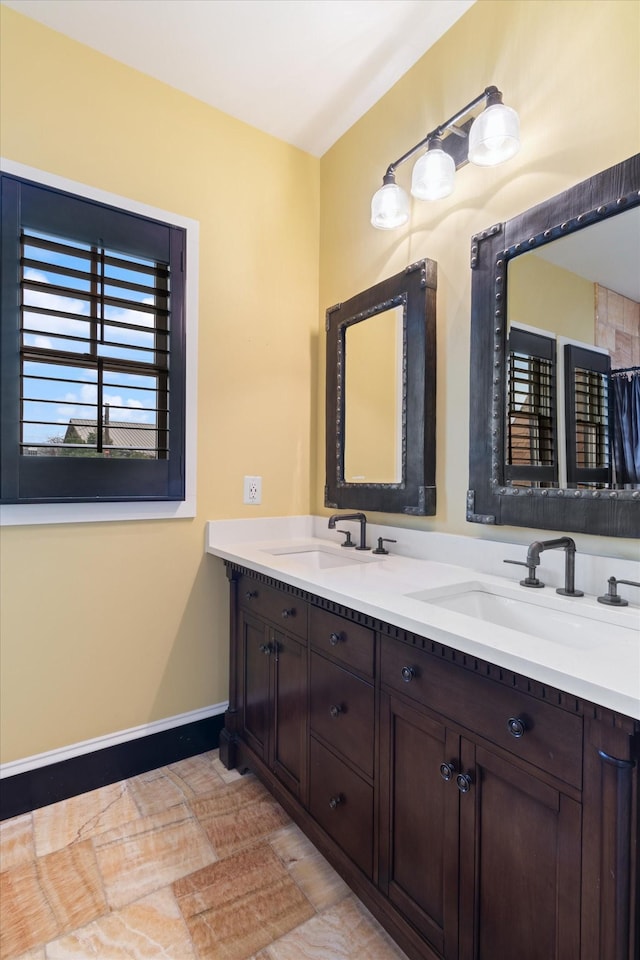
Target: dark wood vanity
480,815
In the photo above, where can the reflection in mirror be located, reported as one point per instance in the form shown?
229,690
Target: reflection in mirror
554,439
374,398
573,328
381,395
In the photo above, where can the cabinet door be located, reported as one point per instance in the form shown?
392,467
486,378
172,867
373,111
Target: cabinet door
419,821
255,661
289,712
519,863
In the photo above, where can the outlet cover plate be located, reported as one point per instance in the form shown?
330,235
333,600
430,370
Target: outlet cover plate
252,490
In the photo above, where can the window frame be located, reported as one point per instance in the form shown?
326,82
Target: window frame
127,509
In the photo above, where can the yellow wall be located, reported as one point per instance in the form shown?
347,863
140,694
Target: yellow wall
107,626
110,625
571,68
543,295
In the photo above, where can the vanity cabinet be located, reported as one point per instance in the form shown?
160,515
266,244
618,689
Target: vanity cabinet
341,727
479,814
419,814
480,846
272,693
520,872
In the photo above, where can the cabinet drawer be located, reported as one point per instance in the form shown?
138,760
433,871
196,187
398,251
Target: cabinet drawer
273,604
540,733
342,803
342,711
348,642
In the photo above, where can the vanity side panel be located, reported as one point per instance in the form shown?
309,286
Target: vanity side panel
610,831
229,733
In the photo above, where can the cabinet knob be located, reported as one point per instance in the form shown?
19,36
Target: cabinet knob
251,594
463,782
407,674
288,612
335,802
447,770
265,648
335,710
334,639
516,727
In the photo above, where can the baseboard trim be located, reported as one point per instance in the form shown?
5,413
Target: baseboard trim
60,774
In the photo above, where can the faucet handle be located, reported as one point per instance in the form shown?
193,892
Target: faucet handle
530,580
348,542
380,548
612,597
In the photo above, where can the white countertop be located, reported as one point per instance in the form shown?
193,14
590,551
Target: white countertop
599,664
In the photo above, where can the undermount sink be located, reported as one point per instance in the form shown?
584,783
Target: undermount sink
321,558
537,616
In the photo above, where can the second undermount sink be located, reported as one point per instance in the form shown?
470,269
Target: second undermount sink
314,557
538,616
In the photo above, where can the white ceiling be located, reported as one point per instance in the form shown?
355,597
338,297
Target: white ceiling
607,252
301,70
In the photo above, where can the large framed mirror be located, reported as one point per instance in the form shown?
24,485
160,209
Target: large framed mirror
381,395
555,362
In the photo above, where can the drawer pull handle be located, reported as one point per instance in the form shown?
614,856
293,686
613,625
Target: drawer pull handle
447,771
335,710
463,782
407,674
516,727
288,612
265,648
616,762
251,595
335,802
334,639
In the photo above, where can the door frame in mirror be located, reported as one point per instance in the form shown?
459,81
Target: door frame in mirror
614,513
415,493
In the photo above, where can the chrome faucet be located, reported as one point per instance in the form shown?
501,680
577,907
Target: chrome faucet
561,543
360,517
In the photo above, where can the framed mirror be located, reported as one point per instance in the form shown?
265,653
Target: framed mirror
555,362
381,394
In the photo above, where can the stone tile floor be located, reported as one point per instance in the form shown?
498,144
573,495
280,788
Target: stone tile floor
187,862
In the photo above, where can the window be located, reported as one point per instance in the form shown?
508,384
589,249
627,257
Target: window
531,403
93,350
557,412
586,380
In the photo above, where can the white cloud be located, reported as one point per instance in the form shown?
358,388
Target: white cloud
130,410
52,301
143,320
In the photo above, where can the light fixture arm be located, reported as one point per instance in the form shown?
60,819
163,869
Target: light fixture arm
490,95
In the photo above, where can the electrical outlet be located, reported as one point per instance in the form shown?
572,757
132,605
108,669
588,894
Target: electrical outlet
252,490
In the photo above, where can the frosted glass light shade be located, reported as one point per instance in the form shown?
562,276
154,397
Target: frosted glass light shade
389,207
494,136
433,175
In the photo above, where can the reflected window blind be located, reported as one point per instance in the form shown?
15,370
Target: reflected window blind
531,446
587,405
94,351
592,420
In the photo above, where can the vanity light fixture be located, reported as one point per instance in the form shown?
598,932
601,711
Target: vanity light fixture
487,139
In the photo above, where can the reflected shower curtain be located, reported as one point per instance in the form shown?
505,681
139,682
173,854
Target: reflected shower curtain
625,386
